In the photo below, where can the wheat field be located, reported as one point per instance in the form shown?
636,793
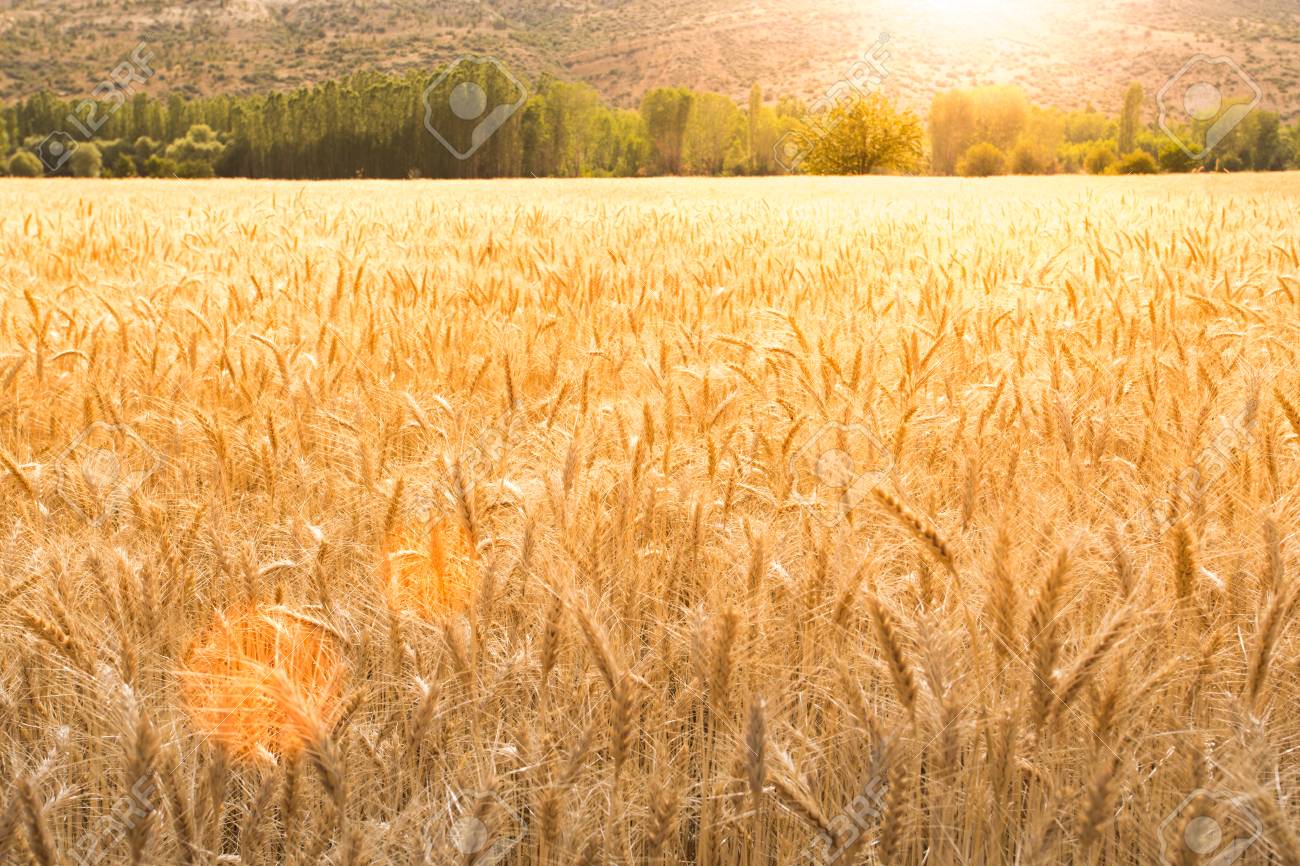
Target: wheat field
881,521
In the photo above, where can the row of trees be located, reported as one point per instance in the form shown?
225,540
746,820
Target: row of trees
996,130
474,120
376,125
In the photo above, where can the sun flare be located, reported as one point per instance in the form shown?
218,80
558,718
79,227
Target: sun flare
428,568
236,670
977,17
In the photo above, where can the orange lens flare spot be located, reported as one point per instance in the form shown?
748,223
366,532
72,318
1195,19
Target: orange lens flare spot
237,671
430,569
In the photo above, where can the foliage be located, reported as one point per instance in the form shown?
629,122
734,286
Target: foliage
24,163
1130,119
1025,159
864,135
378,125
714,128
161,166
1101,155
199,147
1136,162
952,128
123,166
982,160
86,161
667,111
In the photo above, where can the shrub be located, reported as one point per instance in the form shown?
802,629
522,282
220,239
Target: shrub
86,161
192,168
1174,159
25,164
1137,162
200,144
982,160
1100,157
1025,160
159,166
123,166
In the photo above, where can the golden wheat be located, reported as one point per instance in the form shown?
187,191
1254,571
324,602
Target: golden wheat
879,521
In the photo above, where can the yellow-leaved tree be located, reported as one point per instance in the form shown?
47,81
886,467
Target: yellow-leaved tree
865,135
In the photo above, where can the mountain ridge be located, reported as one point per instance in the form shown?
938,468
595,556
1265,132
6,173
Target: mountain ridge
1067,53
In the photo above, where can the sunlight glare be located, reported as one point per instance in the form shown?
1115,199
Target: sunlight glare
976,17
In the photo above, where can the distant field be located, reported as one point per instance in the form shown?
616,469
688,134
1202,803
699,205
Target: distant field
725,522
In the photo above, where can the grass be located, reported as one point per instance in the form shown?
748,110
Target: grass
879,521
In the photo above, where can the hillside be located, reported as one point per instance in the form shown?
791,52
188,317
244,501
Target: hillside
1066,52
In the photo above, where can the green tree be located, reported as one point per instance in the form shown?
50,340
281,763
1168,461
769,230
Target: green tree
715,126
865,135
1174,159
86,161
1258,142
1088,126
200,146
952,129
752,120
123,166
1130,118
768,127
144,147
959,119
1025,159
25,164
1101,155
982,160
1045,133
560,129
1001,114
666,111
160,166
625,150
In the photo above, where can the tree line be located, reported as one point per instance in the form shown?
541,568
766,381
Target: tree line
476,121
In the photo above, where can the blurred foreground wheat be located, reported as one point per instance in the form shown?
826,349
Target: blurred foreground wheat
880,521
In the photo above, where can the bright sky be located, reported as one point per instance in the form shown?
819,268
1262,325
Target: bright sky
978,16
